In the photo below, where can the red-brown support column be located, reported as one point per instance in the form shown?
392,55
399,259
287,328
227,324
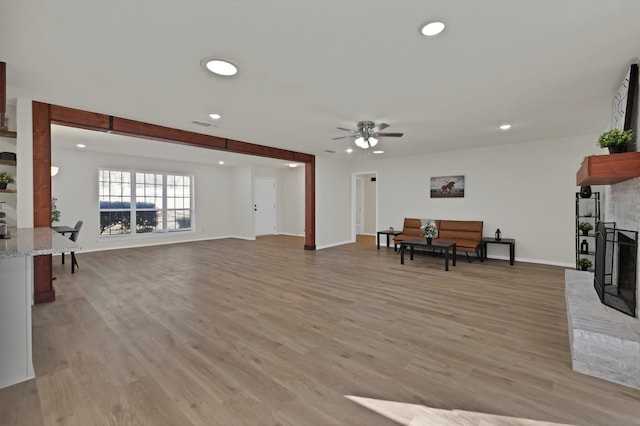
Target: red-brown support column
42,265
310,204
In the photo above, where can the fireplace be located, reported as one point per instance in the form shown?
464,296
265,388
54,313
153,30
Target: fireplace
615,278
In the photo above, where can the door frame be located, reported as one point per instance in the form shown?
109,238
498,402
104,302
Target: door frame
354,176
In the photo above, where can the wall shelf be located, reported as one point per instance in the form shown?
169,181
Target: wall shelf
10,191
8,163
8,134
608,169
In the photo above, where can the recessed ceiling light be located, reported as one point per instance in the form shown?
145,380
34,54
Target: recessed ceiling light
349,150
81,145
432,28
378,152
505,126
221,162
219,66
215,116
293,165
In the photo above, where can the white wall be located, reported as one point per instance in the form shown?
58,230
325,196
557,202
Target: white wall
76,188
24,179
333,202
291,198
527,190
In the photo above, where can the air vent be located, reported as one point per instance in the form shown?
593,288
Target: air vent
203,123
329,151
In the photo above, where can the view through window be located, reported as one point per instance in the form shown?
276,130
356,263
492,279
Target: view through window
155,202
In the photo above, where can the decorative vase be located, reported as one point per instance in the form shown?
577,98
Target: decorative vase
583,268
3,185
585,232
615,149
429,240
585,191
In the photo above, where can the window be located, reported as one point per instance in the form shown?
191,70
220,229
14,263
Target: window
159,202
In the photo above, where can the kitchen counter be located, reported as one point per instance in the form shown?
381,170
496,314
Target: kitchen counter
16,296
35,242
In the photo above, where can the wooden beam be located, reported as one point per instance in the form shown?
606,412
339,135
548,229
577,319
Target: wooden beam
42,265
123,126
78,118
310,204
259,150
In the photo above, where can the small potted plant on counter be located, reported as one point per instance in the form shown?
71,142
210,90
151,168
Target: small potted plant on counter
585,227
5,178
584,264
616,140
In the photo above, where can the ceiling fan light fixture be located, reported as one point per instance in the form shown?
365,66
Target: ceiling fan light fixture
361,143
372,141
219,66
432,28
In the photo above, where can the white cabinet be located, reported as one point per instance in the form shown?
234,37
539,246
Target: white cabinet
15,320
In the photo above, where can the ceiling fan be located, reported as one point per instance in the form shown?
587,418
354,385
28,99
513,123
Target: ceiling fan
367,134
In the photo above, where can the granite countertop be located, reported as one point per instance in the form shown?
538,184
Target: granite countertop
35,242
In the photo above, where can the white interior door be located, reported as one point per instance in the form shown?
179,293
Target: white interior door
264,205
359,205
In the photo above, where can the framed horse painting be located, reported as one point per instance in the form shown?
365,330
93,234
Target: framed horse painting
447,187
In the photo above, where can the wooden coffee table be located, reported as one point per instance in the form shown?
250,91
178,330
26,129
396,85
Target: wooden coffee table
435,244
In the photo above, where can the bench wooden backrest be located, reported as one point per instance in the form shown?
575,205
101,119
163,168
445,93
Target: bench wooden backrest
412,227
460,230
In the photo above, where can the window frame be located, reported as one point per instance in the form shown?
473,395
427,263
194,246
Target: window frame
133,176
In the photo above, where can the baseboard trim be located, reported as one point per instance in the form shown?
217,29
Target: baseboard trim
334,245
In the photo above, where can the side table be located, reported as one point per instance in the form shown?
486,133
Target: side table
510,241
388,232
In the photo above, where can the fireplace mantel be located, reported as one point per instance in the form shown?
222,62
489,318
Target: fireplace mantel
608,169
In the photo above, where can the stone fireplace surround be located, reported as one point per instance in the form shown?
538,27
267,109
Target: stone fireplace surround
604,343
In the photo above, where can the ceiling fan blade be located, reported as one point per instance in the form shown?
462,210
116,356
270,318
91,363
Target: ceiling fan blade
346,137
379,127
390,135
347,130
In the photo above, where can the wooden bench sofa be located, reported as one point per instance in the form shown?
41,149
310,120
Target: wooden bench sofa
467,234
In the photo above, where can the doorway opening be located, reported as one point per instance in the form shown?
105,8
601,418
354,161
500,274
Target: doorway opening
364,204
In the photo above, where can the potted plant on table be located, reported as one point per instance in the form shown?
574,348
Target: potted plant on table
616,140
5,178
584,264
429,230
585,227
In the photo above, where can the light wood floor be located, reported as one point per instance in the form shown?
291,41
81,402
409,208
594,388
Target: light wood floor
233,332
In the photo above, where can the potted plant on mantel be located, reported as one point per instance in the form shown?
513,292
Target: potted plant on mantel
5,178
616,140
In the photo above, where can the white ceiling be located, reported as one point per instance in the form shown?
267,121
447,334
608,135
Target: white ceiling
549,67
